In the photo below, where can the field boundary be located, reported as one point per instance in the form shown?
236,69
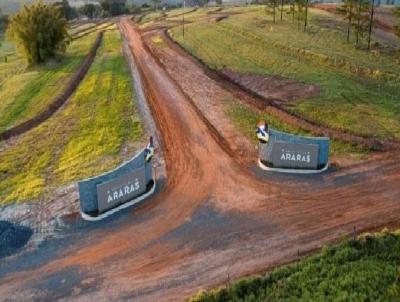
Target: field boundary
262,103
79,32
85,33
60,99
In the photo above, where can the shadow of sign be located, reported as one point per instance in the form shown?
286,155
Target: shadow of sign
288,151
124,186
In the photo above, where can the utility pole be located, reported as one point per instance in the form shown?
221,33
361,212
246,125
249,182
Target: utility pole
183,19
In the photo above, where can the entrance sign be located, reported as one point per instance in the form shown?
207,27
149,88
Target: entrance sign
121,189
112,191
289,155
286,152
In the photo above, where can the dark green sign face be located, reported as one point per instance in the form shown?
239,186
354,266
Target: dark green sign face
288,155
121,189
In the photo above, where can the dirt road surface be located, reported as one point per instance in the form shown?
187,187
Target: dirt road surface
214,217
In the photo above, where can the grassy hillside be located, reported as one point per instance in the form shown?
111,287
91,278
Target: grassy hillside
97,130
359,89
244,118
365,270
25,92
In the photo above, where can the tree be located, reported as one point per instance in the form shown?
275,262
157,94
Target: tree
348,9
114,7
68,12
156,3
39,31
300,6
292,9
306,15
361,18
90,10
270,7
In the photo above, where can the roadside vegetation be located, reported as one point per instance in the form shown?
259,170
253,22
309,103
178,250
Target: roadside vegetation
366,269
359,89
26,91
96,130
40,32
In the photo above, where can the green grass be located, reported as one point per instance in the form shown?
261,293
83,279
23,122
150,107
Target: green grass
82,27
25,92
245,118
360,90
365,270
96,131
173,16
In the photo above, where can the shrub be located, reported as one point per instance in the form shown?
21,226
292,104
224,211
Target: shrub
40,32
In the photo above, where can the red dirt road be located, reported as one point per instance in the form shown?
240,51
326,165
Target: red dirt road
214,217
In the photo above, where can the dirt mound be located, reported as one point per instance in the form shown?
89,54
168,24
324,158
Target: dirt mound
12,237
276,87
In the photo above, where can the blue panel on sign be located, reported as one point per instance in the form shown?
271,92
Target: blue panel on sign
265,150
88,187
323,143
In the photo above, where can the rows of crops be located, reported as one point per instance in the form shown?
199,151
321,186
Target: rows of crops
361,270
250,43
96,130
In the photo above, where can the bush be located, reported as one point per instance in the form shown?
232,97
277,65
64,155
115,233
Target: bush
40,32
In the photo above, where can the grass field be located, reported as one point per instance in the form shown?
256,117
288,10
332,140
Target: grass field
96,131
367,269
245,118
81,27
359,89
25,92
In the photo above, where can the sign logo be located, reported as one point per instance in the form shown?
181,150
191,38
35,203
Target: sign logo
293,155
114,195
121,189
288,155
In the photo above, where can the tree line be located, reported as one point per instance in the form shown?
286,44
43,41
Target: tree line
358,14
105,8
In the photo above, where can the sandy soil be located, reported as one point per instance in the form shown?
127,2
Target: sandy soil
215,219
